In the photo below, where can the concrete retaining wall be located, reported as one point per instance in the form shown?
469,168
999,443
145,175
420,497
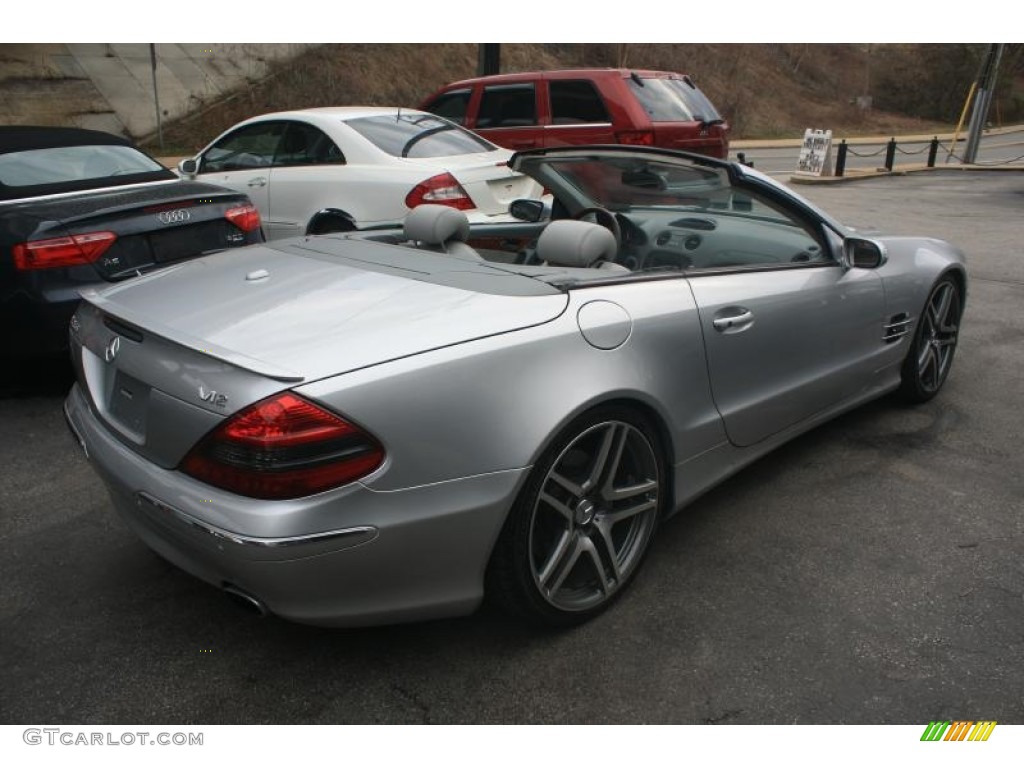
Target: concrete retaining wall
109,86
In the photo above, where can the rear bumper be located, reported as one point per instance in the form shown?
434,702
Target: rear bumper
348,557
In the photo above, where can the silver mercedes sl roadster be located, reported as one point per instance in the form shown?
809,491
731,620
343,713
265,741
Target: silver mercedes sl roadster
390,425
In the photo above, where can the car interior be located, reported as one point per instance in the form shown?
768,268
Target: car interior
645,241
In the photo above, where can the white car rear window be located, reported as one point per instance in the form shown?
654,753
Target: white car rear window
414,134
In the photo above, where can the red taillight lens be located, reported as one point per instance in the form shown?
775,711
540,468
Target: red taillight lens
245,217
442,189
282,448
636,138
62,251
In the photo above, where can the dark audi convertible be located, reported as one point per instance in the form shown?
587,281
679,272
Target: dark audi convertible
82,208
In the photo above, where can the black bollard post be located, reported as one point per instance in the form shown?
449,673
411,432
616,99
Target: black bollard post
890,154
932,151
841,158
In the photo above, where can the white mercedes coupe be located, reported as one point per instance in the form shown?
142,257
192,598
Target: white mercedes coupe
338,169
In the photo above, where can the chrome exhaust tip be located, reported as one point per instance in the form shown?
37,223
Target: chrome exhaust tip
246,601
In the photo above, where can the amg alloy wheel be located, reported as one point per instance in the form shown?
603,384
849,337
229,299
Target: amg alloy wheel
931,356
584,522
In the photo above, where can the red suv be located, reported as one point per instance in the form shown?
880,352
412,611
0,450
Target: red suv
586,106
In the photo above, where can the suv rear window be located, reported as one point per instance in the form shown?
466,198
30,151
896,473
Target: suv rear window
672,99
504,106
418,135
576,101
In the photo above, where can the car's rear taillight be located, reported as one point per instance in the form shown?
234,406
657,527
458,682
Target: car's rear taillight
442,189
245,217
636,138
62,251
282,448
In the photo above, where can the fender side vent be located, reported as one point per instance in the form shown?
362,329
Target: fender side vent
896,328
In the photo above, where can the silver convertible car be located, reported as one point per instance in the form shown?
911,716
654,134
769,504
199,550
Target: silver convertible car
391,425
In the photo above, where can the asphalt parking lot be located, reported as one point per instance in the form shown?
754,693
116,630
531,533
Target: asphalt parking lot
871,571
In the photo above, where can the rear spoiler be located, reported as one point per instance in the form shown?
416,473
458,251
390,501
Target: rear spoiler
244,362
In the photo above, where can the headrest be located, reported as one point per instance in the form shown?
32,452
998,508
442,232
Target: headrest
571,243
436,224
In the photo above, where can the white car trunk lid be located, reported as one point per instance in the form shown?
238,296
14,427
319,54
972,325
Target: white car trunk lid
487,179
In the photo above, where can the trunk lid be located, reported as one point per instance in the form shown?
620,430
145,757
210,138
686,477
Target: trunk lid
165,357
487,180
155,223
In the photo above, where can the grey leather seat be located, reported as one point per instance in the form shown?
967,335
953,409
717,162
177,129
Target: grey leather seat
441,229
571,243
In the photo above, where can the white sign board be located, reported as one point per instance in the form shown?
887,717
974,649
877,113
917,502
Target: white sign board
815,154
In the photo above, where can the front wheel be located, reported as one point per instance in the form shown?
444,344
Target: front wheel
583,523
931,355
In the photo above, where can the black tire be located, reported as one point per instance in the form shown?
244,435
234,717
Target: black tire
930,356
581,526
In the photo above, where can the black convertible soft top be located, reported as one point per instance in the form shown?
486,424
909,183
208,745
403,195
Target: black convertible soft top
16,138
24,138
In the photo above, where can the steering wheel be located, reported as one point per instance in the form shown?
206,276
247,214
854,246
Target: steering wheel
606,219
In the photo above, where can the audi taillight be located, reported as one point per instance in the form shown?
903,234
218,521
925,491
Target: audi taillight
245,217
62,251
636,138
282,448
442,189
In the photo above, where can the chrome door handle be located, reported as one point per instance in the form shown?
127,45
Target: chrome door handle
732,321
259,181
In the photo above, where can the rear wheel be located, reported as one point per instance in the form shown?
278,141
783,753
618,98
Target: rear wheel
931,355
326,225
583,523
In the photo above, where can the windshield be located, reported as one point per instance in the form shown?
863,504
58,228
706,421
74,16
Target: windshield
671,214
622,184
414,134
670,99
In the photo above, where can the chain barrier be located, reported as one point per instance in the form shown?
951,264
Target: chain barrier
1000,162
950,154
855,153
890,149
915,152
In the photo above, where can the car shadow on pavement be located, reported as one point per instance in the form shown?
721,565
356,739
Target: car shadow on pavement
35,378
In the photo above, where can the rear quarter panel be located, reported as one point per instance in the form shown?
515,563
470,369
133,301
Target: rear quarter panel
495,403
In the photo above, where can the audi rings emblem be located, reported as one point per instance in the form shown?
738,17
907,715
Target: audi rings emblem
113,346
174,217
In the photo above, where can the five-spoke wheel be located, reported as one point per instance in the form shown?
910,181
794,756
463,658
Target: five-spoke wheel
584,521
931,355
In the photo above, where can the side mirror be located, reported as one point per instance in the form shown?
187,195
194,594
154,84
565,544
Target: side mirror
188,167
527,210
862,253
